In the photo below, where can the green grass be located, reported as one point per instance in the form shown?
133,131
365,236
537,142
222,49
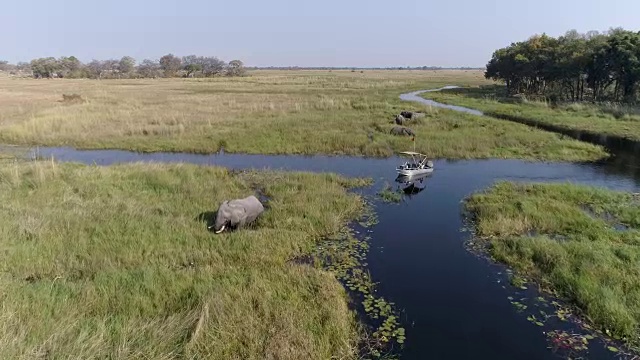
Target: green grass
569,238
606,119
389,195
112,262
278,112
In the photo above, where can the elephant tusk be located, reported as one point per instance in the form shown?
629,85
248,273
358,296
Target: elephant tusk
221,230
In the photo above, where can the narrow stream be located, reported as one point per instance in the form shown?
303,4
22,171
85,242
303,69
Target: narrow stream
454,303
415,96
619,144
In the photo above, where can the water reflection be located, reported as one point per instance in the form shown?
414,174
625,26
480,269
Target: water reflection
412,185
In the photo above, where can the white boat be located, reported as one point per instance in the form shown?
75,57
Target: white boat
412,185
419,164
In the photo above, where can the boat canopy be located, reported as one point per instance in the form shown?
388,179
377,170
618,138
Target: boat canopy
411,153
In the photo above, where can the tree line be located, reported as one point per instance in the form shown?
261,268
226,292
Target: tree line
167,66
594,66
361,68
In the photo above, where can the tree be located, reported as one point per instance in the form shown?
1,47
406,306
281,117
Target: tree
149,69
211,66
236,68
170,64
126,65
596,66
110,68
23,66
191,64
94,69
189,60
192,69
599,66
70,67
5,66
623,53
45,67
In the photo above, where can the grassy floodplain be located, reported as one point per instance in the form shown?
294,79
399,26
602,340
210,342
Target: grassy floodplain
113,262
581,242
267,112
607,119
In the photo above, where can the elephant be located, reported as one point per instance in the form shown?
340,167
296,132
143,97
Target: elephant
401,130
411,114
237,213
400,120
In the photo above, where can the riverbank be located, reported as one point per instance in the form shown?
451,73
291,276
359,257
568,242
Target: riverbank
399,253
617,122
333,113
113,260
578,242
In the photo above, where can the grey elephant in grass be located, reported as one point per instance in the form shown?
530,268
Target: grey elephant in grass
400,120
401,130
411,115
237,213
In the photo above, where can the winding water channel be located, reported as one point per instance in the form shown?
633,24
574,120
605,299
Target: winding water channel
454,304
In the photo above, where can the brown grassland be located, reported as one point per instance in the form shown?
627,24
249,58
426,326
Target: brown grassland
267,112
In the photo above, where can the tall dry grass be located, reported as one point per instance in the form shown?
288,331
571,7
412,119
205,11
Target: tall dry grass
272,112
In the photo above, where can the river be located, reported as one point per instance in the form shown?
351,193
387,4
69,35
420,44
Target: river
454,304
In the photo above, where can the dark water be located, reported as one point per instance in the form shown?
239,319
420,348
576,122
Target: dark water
414,96
454,305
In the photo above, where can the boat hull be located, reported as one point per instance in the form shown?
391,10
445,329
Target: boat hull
414,172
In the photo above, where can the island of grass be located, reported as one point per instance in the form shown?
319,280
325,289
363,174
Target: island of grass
582,243
116,261
612,120
267,112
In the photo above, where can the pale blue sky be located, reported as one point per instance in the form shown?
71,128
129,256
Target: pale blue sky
297,32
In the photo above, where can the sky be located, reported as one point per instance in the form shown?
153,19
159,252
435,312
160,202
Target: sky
355,33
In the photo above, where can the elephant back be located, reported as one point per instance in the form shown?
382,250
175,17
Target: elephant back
253,201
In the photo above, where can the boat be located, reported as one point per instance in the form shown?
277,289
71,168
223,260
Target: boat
412,185
418,165
407,180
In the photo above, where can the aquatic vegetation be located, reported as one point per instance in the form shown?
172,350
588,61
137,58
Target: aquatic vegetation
389,195
593,267
562,340
344,254
570,340
518,281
